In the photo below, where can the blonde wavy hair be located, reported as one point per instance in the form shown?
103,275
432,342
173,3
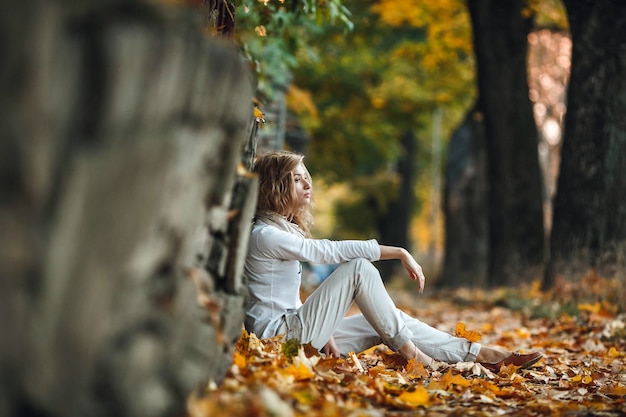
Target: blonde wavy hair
277,190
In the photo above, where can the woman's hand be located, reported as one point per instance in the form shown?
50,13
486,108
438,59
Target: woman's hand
414,269
408,262
331,349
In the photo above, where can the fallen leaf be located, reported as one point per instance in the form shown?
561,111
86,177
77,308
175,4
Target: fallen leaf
415,398
583,369
460,331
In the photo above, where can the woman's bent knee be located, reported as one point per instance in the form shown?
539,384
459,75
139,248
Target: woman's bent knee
364,268
357,270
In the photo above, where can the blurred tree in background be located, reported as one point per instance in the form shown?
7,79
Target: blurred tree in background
272,33
377,91
515,247
589,230
378,78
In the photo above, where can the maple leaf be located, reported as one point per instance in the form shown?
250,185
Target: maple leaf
460,331
415,369
449,380
486,386
508,371
393,360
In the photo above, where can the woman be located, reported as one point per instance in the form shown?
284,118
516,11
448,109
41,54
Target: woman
280,240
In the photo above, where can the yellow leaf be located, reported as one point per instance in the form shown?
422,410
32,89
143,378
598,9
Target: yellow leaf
239,360
460,331
535,289
258,114
299,371
592,308
414,398
587,380
614,353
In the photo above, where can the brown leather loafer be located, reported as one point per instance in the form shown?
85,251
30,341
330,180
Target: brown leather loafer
517,359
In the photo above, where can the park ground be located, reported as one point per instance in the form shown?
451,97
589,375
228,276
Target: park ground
580,327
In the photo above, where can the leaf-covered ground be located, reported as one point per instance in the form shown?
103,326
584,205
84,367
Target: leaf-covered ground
583,371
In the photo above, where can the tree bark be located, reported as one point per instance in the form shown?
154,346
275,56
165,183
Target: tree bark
516,243
393,226
589,226
465,206
123,220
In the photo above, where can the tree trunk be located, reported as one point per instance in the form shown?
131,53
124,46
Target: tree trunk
516,244
465,206
393,226
124,224
589,226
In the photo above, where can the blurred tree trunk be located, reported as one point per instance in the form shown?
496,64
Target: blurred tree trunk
124,223
516,242
394,225
589,226
465,206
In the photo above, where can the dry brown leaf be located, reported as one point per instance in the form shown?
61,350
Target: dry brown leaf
583,369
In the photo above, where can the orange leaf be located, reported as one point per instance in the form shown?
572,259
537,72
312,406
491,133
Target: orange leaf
239,360
414,398
448,379
615,390
459,331
258,114
486,385
508,370
416,369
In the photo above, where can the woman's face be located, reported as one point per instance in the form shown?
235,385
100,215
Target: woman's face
303,185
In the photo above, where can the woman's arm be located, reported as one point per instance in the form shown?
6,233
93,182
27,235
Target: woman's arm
410,264
276,243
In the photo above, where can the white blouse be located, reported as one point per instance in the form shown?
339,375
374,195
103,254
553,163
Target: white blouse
274,271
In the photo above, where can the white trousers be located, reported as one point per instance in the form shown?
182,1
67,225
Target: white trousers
323,315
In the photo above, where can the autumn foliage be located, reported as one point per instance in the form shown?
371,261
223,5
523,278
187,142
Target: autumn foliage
583,369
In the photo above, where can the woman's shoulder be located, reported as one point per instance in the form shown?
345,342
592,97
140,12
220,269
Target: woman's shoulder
263,229
271,240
